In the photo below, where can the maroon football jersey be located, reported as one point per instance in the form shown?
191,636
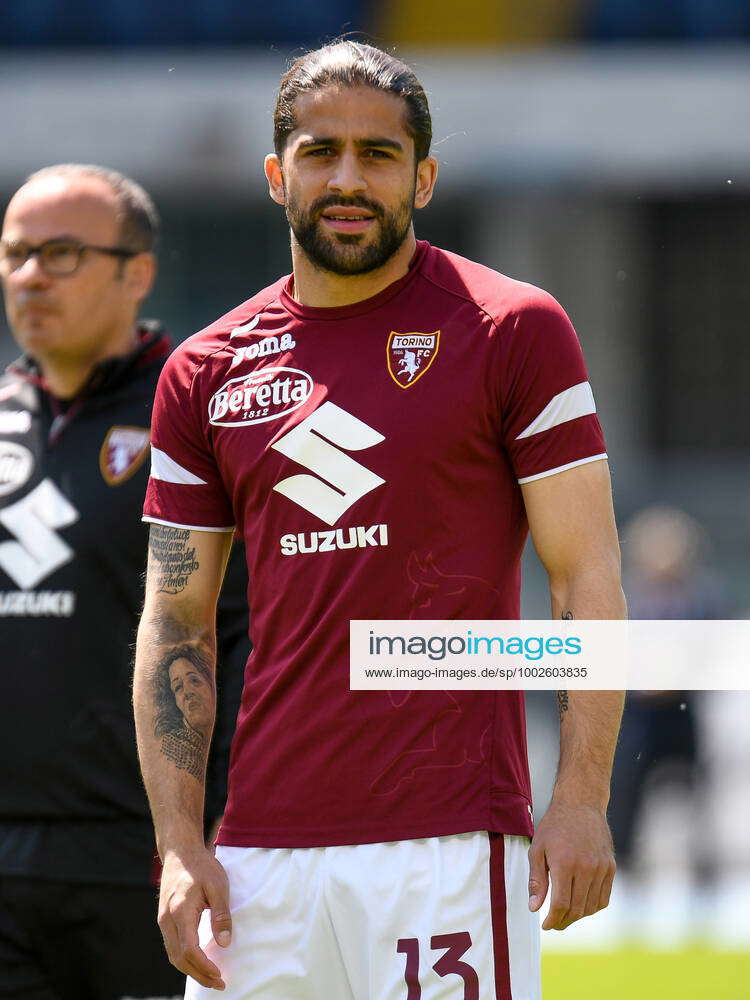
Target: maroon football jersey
370,457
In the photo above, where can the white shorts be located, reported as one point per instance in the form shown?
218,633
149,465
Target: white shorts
444,918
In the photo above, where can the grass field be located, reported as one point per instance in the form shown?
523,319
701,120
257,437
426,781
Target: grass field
636,974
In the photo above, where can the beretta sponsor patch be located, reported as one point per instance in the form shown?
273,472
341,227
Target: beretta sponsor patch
410,356
267,394
122,453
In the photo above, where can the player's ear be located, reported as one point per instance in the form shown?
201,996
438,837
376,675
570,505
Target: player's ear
427,171
272,170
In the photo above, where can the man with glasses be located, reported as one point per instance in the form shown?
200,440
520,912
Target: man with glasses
77,873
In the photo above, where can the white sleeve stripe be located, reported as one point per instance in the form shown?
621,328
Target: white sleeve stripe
578,401
189,527
165,468
562,468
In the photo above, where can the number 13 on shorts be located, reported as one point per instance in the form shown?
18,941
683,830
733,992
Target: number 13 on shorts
469,935
455,945
439,918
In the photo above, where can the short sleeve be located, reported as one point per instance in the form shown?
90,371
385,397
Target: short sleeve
185,488
549,421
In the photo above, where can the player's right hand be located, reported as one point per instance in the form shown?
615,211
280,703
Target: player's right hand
191,882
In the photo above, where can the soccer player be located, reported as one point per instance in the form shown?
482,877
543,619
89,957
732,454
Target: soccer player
77,851
380,426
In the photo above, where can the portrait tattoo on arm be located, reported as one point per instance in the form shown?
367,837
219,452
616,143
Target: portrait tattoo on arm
185,704
177,562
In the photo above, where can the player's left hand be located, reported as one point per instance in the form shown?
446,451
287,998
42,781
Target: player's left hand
573,847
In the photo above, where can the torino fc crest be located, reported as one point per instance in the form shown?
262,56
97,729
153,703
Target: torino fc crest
410,355
122,453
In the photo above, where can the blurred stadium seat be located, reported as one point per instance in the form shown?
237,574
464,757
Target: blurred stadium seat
190,22
644,20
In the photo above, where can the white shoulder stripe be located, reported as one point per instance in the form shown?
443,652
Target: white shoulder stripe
165,468
578,401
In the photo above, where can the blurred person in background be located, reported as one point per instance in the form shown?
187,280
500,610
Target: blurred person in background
665,577
77,852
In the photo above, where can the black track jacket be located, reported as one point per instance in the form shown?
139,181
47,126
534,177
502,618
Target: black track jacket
72,557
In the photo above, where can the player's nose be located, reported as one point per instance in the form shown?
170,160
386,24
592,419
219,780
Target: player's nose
347,176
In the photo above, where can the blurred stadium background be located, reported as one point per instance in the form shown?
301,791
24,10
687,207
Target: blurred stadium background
599,148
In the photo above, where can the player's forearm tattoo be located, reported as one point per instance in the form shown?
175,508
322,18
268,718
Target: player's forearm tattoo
177,562
563,702
184,707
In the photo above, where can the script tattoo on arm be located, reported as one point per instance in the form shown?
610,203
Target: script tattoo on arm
169,547
563,701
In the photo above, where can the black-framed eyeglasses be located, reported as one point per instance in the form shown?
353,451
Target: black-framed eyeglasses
57,258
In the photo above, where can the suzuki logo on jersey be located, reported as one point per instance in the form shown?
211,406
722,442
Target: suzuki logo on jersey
410,356
264,395
37,549
339,481
329,541
16,466
264,348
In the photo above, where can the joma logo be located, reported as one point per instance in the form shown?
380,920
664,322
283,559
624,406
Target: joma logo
263,348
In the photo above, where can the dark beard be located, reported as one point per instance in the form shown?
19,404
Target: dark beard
341,253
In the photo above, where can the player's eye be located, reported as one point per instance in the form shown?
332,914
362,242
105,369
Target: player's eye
378,154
